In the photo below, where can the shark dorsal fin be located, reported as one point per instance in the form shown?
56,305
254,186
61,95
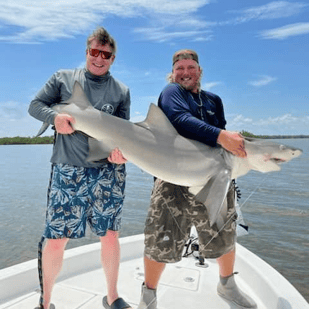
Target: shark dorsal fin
79,97
156,120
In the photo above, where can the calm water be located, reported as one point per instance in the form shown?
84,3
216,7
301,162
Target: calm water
274,205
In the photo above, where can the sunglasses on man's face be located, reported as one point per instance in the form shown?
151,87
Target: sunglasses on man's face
95,53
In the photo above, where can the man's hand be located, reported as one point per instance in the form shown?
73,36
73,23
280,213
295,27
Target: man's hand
116,157
232,142
63,124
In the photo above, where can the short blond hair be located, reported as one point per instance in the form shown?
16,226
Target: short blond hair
103,37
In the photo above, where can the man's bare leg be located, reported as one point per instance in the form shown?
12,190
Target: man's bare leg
153,272
110,258
226,264
52,258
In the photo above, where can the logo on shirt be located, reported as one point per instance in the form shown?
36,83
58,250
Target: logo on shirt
211,113
108,108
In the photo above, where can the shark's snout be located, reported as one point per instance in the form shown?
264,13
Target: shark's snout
297,153
286,154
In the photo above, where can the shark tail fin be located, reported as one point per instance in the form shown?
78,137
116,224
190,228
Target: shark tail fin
44,127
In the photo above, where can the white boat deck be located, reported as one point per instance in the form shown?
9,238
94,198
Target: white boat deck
183,285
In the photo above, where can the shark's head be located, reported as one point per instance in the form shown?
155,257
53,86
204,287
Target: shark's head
285,154
266,156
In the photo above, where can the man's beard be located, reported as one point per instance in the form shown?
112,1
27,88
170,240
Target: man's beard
191,87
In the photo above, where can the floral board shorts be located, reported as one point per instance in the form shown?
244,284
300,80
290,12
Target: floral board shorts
77,195
173,210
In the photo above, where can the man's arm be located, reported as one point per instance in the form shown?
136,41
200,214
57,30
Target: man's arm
174,105
40,107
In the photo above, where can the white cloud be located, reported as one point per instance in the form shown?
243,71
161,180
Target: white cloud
174,7
241,119
181,25
81,65
15,120
281,120
210,85
203,38
286,31
287,124
193,22
12,110
25,126
163,35
137,118
36,20
263,81
272,10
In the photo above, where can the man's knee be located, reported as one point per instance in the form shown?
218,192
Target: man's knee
110,238
56,244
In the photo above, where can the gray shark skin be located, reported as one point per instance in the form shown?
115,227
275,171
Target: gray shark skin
155,146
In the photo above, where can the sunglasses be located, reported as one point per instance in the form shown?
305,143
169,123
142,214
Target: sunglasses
95,53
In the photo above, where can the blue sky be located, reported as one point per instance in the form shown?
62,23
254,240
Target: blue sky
254,54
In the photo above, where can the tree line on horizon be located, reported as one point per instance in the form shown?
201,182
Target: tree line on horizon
18,140
248,134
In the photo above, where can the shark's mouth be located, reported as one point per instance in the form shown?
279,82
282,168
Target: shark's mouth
277,160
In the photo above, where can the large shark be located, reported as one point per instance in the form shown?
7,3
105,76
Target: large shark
155,146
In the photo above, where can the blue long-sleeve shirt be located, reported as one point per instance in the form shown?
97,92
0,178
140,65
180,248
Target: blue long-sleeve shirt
202,123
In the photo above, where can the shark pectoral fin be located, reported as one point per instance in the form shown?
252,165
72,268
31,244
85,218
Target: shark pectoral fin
213,194
195,190
97,150
44,127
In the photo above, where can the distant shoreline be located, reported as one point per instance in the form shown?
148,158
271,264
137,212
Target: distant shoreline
17,140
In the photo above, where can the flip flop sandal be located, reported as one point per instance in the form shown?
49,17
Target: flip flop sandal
119,303
51,306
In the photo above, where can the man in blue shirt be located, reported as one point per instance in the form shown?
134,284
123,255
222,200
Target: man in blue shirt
198,115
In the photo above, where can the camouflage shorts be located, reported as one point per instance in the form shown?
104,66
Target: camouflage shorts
173,210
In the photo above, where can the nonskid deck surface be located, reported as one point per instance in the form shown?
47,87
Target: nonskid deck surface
81,283
183,285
